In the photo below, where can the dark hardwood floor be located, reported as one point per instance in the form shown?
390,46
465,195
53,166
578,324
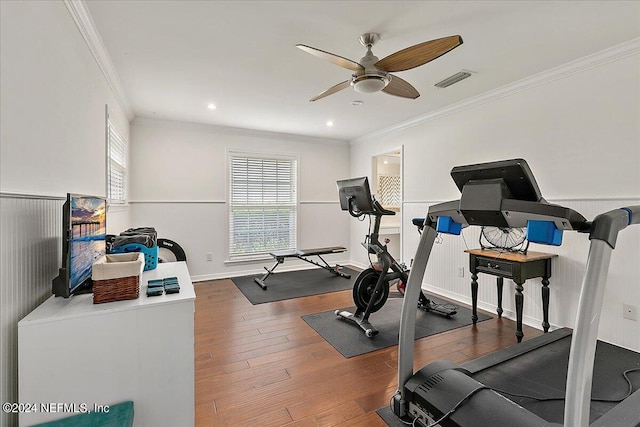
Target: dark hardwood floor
262,365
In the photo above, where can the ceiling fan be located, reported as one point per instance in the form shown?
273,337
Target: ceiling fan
373,75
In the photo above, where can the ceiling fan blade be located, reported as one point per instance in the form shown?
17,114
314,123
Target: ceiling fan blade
419,54
338,60
333,89
401,88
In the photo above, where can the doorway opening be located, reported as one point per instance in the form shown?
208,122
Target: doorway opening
387,187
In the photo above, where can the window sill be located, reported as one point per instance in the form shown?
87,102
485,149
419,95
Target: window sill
249,259
117,207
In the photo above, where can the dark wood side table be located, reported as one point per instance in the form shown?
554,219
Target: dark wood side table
515,266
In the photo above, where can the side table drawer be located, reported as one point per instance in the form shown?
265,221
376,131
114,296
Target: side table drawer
493,266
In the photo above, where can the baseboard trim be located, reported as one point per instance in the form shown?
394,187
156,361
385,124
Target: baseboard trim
281,269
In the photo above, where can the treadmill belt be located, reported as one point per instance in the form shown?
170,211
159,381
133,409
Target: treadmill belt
543,373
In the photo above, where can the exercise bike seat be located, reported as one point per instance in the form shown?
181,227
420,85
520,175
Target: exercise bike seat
418,222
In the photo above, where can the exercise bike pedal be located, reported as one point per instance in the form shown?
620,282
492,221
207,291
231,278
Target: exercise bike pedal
367,327
431,307
447,312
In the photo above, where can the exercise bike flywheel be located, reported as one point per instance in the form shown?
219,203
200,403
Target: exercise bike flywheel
364,289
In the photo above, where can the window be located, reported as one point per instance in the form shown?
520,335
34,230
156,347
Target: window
116,165
262,204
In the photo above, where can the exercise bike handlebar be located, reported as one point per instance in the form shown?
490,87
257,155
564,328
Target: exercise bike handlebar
378,210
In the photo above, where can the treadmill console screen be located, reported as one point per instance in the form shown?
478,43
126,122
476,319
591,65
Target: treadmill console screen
515,173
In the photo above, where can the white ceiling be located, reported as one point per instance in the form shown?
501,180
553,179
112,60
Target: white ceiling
175,57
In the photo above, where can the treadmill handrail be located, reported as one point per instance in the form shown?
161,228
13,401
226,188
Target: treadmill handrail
407,333
603,236
516,213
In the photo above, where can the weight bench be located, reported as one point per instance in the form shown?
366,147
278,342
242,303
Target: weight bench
303,254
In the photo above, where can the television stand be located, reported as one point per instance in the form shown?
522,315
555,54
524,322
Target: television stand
74,352
85,288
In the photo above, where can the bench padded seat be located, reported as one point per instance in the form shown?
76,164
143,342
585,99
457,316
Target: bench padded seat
303,254
307,252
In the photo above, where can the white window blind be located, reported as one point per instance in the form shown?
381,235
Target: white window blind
116,165
262,205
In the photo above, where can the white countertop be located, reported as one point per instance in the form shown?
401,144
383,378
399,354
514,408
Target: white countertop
82,305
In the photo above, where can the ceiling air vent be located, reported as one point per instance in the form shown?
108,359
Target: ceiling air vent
454,79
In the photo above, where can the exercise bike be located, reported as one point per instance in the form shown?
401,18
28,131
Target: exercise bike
371,287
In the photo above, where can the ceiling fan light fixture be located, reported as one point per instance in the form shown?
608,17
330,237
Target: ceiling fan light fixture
370,84
372,74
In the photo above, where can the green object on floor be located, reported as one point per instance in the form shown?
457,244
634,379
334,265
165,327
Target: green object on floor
119,415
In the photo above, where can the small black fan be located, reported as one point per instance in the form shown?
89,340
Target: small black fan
510,239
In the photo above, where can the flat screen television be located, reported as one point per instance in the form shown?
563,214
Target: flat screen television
355,196
83,241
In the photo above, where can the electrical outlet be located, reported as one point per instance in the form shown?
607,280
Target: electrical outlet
630,311
460,271
209,256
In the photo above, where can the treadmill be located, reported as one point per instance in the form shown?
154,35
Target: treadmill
557,365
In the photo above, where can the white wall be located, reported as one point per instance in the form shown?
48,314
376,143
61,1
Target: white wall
578,128
52,141
53,104
179,187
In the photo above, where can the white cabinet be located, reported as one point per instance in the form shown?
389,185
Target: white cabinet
74,352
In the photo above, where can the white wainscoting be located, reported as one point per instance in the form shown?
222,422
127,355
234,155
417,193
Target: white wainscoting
30,256
567,273
201,227
30,252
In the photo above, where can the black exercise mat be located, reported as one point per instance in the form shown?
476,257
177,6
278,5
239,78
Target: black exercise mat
350,340
294,284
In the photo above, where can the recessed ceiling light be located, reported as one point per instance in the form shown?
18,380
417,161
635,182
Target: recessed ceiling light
211,106
356,103
330,123
386,162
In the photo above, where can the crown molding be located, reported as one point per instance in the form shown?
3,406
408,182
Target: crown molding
86,26
606,56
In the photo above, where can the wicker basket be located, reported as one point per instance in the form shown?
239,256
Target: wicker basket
116,277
